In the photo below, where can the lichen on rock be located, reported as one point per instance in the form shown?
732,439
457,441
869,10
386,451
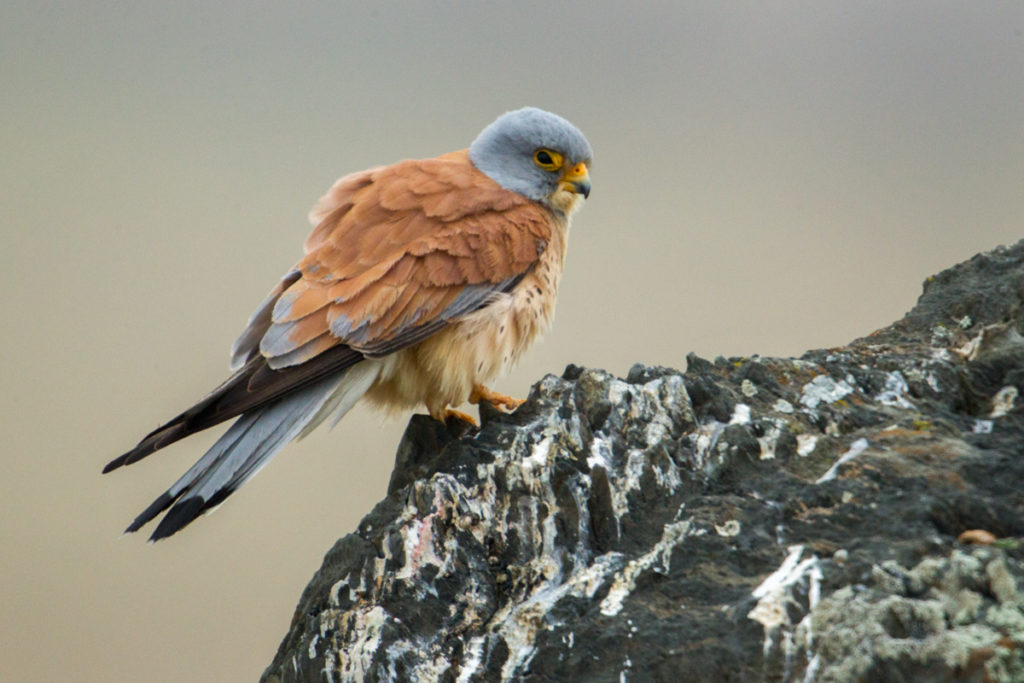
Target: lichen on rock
747,519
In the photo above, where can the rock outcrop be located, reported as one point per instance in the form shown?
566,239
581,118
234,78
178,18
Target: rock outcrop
853,514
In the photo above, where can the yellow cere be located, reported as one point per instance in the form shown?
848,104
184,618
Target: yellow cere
577,172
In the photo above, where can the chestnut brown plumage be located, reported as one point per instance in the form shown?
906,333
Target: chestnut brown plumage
421,282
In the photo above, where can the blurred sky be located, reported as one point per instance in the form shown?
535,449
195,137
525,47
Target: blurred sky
768,178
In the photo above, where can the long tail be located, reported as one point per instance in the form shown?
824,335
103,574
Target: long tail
252,387
249,444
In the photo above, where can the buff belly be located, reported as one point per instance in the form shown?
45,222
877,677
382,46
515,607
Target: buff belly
442,370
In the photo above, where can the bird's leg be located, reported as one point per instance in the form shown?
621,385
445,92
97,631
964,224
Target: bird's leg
443,415
482,393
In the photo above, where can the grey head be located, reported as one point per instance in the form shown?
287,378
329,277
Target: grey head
535,153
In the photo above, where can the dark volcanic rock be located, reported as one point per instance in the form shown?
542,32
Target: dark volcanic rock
750,519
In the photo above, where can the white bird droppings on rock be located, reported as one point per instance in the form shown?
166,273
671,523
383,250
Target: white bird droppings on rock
783,406
805,444
770,439
982,427
824,389
895,390
625,580
856,448
729,528
776,593
740,414
1003,401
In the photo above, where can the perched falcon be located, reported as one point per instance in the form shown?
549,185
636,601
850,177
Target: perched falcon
422,281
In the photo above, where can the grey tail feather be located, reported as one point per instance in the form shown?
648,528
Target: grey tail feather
254,386
239,454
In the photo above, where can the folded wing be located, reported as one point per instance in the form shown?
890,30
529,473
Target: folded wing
397,254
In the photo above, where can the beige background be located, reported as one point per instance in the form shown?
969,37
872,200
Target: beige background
769,178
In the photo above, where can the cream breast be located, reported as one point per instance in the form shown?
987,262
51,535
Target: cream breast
441,370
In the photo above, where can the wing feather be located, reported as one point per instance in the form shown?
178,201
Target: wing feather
403,250
246,345
303,353
300,300
396,254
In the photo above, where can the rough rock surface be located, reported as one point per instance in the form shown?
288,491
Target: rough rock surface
750,519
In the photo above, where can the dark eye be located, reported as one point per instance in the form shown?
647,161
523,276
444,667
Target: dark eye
547,159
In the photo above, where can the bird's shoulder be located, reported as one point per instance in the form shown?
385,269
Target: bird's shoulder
442,217
447,190
400,251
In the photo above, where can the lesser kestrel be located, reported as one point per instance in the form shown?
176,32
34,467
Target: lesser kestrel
422,281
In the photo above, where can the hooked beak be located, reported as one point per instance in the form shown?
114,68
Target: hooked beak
577,179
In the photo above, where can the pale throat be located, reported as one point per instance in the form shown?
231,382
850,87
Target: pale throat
565,202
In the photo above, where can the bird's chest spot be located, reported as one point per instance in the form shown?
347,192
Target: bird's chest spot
534,300
534,306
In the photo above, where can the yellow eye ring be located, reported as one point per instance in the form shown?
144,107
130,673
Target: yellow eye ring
548,159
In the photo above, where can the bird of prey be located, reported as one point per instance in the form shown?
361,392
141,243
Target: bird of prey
421,282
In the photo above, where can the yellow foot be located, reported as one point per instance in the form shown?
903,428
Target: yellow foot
458,414
482,393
